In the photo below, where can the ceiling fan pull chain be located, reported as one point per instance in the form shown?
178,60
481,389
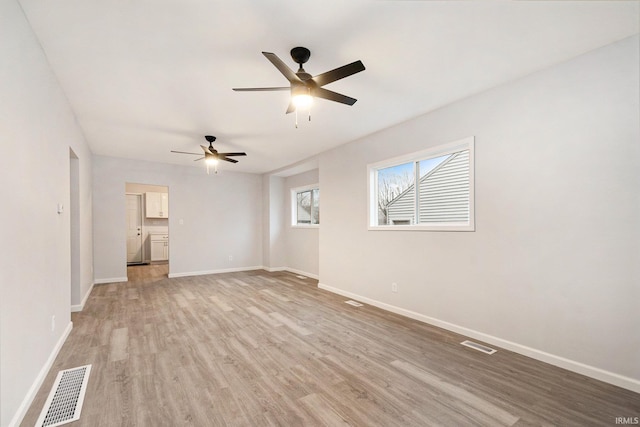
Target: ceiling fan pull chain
296,118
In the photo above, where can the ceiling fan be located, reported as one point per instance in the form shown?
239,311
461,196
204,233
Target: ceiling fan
305,87
211,155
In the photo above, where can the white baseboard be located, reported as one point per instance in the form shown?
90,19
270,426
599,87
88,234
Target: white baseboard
33,390
233,270
80,307
110,280
291,270
302,273
223,270
552,359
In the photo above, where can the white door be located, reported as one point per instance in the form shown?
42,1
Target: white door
134,228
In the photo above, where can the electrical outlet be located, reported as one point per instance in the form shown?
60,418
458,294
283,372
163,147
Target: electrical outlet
230,257
53,323
394,287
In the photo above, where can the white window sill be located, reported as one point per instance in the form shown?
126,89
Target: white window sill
466,227
305,226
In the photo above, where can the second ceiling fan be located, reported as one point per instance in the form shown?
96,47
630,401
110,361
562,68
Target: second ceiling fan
211,156
303,86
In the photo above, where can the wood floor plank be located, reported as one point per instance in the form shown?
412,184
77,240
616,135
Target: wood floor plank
275,295
119,345
223,305
264,317
322,411
270,349
290,323
497,415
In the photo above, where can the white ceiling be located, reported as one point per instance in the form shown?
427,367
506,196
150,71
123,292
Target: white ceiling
148,76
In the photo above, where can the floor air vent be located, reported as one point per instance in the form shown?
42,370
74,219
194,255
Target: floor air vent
479,347
65,399
353,303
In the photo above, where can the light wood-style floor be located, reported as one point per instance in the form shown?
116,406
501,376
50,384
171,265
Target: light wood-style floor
262,349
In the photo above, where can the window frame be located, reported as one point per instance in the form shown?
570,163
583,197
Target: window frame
467,143
294,205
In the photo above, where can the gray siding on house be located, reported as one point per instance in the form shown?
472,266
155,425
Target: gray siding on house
402,207
443,194
304,214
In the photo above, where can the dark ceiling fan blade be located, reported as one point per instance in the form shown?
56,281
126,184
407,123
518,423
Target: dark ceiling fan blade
231,154
227,159
206,150
333,96
338,73
260,89
282,67
184,152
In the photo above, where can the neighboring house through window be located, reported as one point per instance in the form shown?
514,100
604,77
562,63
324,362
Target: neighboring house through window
305,206
444,196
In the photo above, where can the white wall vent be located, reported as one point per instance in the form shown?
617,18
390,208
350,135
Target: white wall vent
64,403
479,347
354,303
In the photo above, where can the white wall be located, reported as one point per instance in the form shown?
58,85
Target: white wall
301,243
221,217
37,130
266,229
274,244
553,268
285,247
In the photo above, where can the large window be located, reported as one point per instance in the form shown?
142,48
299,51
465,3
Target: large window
443,177
305,206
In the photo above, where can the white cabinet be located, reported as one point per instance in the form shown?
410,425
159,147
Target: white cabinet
159,247
156,205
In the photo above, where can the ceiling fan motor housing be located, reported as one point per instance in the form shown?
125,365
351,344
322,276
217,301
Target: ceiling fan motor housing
300,55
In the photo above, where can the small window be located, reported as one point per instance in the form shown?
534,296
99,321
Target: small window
428,190
305,204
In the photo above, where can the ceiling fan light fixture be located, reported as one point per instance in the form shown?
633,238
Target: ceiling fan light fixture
301,97
211,160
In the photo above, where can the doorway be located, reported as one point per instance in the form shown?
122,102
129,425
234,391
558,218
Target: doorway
135,254
147,228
